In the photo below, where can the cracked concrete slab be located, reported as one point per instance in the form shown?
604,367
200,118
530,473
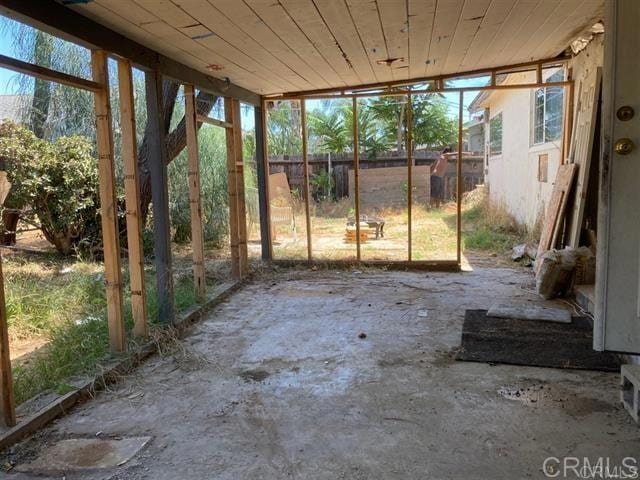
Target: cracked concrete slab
277,383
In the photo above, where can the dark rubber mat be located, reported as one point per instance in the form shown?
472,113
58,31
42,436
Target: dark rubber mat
534,343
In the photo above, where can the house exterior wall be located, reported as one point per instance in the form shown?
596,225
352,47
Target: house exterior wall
512,176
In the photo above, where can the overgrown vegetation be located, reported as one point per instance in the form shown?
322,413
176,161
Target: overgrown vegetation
488,226
60,304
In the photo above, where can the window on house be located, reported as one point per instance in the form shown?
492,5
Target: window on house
547,111
495,135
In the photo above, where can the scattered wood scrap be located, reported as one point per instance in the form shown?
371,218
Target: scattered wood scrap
556,210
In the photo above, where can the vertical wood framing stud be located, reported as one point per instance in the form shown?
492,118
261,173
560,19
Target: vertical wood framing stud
7,407
232,189
132,199
459,181
195,200
305,160
409,147
356,174
108,205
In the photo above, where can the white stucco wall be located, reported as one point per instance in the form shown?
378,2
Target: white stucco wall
513,176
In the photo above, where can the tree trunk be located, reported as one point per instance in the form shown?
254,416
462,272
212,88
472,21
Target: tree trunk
176,139
10,220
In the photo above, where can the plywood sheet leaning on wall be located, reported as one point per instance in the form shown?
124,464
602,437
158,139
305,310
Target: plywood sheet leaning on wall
556,209
582,149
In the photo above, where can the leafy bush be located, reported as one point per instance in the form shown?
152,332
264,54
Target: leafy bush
54,184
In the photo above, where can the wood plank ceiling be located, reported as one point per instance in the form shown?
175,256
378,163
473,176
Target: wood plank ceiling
276,46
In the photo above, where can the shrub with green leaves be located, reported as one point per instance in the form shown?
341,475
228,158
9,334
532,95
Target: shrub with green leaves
55,185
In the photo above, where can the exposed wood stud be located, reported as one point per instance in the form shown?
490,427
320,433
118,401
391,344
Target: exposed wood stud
438,81
213,121
539,73
262,174
108,204
232,190
240,196
7,406
160,197
409,146
267,170
459,181
356,174
48,74
567,131
132,199
305,160
195,200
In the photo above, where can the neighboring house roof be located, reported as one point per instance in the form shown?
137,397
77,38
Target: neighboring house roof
12,107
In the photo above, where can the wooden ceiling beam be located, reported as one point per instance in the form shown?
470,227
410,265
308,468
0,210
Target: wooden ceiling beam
50,16
439,79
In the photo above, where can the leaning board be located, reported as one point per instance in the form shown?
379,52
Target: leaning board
556,209
582,149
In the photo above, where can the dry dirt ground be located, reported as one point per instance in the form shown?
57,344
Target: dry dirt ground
277,383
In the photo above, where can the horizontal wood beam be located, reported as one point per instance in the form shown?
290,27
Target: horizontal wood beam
48,74
52,17
214,122
400,92
437,80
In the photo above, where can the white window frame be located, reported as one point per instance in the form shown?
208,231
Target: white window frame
532,130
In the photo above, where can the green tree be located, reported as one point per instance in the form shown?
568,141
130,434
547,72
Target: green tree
284,132
328,132
432,127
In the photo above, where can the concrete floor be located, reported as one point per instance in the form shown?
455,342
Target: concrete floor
276,383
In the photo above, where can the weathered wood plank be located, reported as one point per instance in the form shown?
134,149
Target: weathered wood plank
48,74
195,201
240,197
305,160
261,175
108,204
229,114
132,199
7,405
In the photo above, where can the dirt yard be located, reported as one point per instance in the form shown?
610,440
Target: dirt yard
347,375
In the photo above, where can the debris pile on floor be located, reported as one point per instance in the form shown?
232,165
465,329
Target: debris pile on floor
560,270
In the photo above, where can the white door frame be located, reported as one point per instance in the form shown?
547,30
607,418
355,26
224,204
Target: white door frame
615,328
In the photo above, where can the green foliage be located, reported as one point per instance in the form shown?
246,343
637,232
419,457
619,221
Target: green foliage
432,127
55,183
321,183
329,130
213,184
284,132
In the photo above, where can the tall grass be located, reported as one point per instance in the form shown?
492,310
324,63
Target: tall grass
488,225
63,302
